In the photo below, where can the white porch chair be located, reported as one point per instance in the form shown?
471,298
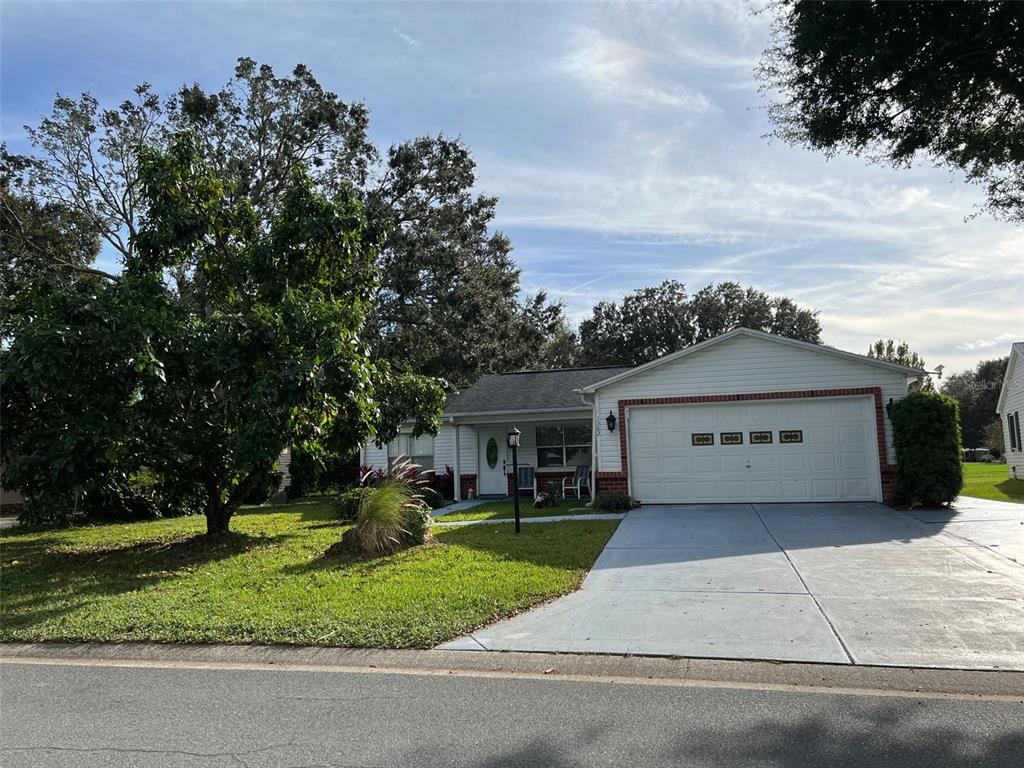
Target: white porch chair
580,479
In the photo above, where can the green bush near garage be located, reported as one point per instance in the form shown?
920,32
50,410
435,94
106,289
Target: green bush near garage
926,430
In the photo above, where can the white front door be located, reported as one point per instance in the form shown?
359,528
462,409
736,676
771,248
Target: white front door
491,463
814,449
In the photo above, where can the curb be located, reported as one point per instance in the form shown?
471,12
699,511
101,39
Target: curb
550,666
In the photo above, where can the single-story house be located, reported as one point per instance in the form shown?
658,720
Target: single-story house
1009,406
746,416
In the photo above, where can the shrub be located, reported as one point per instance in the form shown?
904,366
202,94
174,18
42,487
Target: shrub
417,523
433,498
442,483
268,486
346,504
392,513
45,508
607,501
926,428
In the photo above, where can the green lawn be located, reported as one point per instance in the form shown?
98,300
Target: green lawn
276,582
495,510
989,481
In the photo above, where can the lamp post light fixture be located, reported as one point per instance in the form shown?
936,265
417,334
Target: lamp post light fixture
610,421
513,443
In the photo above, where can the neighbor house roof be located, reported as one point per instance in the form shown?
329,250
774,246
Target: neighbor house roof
552,390
624,374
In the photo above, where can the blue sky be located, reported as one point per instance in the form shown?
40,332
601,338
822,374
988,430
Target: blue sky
625,142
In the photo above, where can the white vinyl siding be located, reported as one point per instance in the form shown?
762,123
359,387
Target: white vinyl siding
375,457
444,448
1013,403
742,365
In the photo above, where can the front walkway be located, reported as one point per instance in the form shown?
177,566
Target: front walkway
840,583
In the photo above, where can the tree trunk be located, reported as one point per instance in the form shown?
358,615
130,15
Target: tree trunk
217,521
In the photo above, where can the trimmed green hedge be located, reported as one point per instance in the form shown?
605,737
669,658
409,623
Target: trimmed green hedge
926,428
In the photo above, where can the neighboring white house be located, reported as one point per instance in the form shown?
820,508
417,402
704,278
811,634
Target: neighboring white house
1009,406
744,417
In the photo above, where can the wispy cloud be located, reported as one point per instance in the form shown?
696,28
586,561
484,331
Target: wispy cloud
407,39
618,70
972,346
624,141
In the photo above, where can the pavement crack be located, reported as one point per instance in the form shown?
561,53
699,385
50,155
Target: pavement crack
814,598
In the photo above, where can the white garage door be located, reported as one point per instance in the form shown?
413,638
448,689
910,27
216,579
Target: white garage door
815,449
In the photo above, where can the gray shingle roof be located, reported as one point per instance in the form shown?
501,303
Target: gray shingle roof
527,390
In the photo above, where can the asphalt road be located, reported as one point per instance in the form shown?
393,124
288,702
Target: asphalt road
88,715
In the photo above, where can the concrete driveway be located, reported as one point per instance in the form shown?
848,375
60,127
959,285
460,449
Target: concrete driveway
845,583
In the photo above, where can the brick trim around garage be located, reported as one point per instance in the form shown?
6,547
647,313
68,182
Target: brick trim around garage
619,481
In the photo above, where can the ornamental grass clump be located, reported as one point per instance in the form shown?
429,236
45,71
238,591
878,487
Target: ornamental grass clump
393,514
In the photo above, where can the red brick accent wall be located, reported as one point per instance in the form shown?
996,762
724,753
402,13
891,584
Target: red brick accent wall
611,482
887,470
465,483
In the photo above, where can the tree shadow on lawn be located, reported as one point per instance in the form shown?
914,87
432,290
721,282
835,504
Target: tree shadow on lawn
1014,489
41,579
553,545
567,545
348,552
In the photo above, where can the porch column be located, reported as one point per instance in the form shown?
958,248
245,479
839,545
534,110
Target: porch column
457,490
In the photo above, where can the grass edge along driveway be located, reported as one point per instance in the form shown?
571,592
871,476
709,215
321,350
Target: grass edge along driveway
277,582
990,481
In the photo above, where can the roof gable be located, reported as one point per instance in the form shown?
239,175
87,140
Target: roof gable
1016,350
760,335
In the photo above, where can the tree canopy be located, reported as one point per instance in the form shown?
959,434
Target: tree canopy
896,352
104,380
977,393
447,302
895,80
651,322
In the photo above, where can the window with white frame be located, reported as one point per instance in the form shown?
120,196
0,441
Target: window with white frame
418,450
563,446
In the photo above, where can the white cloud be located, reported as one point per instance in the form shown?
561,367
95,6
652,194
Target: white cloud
407,39
617,70
971,346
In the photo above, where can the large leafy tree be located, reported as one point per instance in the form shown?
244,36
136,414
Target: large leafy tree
894,80
977,393
899,352
40,237
267,351
447,300
654,321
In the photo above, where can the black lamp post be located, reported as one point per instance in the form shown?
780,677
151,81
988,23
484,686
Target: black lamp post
513,443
